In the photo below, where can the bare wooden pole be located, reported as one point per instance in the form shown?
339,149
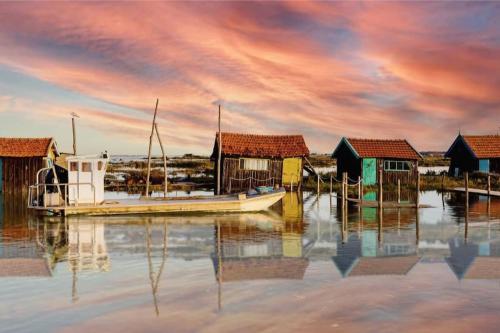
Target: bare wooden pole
346,187
219,154
466,178
489,184
399,190
165,173
380,190
331,184
417,204
317,189
149,149
360,194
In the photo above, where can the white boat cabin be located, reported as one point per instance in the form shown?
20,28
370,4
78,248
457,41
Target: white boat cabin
86,179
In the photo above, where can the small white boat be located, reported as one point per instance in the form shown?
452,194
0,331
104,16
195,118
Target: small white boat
83,193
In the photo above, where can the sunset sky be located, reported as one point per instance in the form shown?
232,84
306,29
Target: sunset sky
325,70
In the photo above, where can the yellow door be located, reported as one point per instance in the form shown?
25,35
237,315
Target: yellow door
291,170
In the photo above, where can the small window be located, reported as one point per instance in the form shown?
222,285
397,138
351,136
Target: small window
254,164
86,167
100,165
396,165
73,166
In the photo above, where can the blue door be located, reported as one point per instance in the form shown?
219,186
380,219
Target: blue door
484,166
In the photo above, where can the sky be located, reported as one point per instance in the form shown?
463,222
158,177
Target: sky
415,70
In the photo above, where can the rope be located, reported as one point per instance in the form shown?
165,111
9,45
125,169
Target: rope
355,180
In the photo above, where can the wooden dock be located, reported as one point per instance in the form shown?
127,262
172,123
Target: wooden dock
220,204
476,191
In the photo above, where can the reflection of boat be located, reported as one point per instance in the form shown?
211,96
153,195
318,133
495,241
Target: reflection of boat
84,194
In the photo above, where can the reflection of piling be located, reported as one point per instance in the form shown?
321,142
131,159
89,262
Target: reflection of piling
380,237
380,190
417,228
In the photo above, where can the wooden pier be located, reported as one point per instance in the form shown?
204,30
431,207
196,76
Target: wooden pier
476,191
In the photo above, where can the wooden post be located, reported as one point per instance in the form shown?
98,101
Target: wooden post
442,182
165,173
380,190
149,150
345,188
360,193
489,184
466,178
417,204
74,133
291,186
331,184
318,184
399,191
219,158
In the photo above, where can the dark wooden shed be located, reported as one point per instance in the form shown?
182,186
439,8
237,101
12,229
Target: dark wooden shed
474,153
20,160
365,157
250,160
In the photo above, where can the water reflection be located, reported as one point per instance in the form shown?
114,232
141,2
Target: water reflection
302,244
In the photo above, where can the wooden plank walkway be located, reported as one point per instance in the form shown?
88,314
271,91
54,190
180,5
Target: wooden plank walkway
476,191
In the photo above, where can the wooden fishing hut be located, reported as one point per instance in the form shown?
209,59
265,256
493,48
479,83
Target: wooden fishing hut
474,153
250,160
20,160
366,157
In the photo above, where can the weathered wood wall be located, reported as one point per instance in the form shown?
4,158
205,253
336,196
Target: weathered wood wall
391,177
235,180
18,173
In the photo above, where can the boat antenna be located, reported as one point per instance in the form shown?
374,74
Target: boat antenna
73,116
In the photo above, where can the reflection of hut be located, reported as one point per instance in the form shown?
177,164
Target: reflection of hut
469,153
20,160
365,157
362,256
20,255
249,160
474,261
248,253
87,247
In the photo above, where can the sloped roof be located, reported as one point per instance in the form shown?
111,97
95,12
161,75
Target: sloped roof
397,265
380,148
25,147
10,267
237,269
253,145
484,146
484,268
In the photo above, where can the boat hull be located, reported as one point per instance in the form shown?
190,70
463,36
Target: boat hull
226,204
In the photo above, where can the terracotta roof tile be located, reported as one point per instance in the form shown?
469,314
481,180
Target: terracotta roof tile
23,267
24,147
252,145
379,148
484,268
484,146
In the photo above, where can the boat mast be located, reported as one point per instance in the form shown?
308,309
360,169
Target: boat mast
219,158
149,150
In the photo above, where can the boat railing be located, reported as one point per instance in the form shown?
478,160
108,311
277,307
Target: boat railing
252,182
38,196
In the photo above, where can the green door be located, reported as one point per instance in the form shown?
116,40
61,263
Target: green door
369,171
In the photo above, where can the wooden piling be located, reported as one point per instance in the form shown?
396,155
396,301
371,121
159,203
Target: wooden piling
466,179
74,134
219,158
149,149
360,189
331,184
317,190
380,190
417,203
399,191
489,184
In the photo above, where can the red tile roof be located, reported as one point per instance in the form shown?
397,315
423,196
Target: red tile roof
484,268
237,269
379,148
252,145
25,147
23,267
484,146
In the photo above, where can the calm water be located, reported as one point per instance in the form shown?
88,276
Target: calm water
297,267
